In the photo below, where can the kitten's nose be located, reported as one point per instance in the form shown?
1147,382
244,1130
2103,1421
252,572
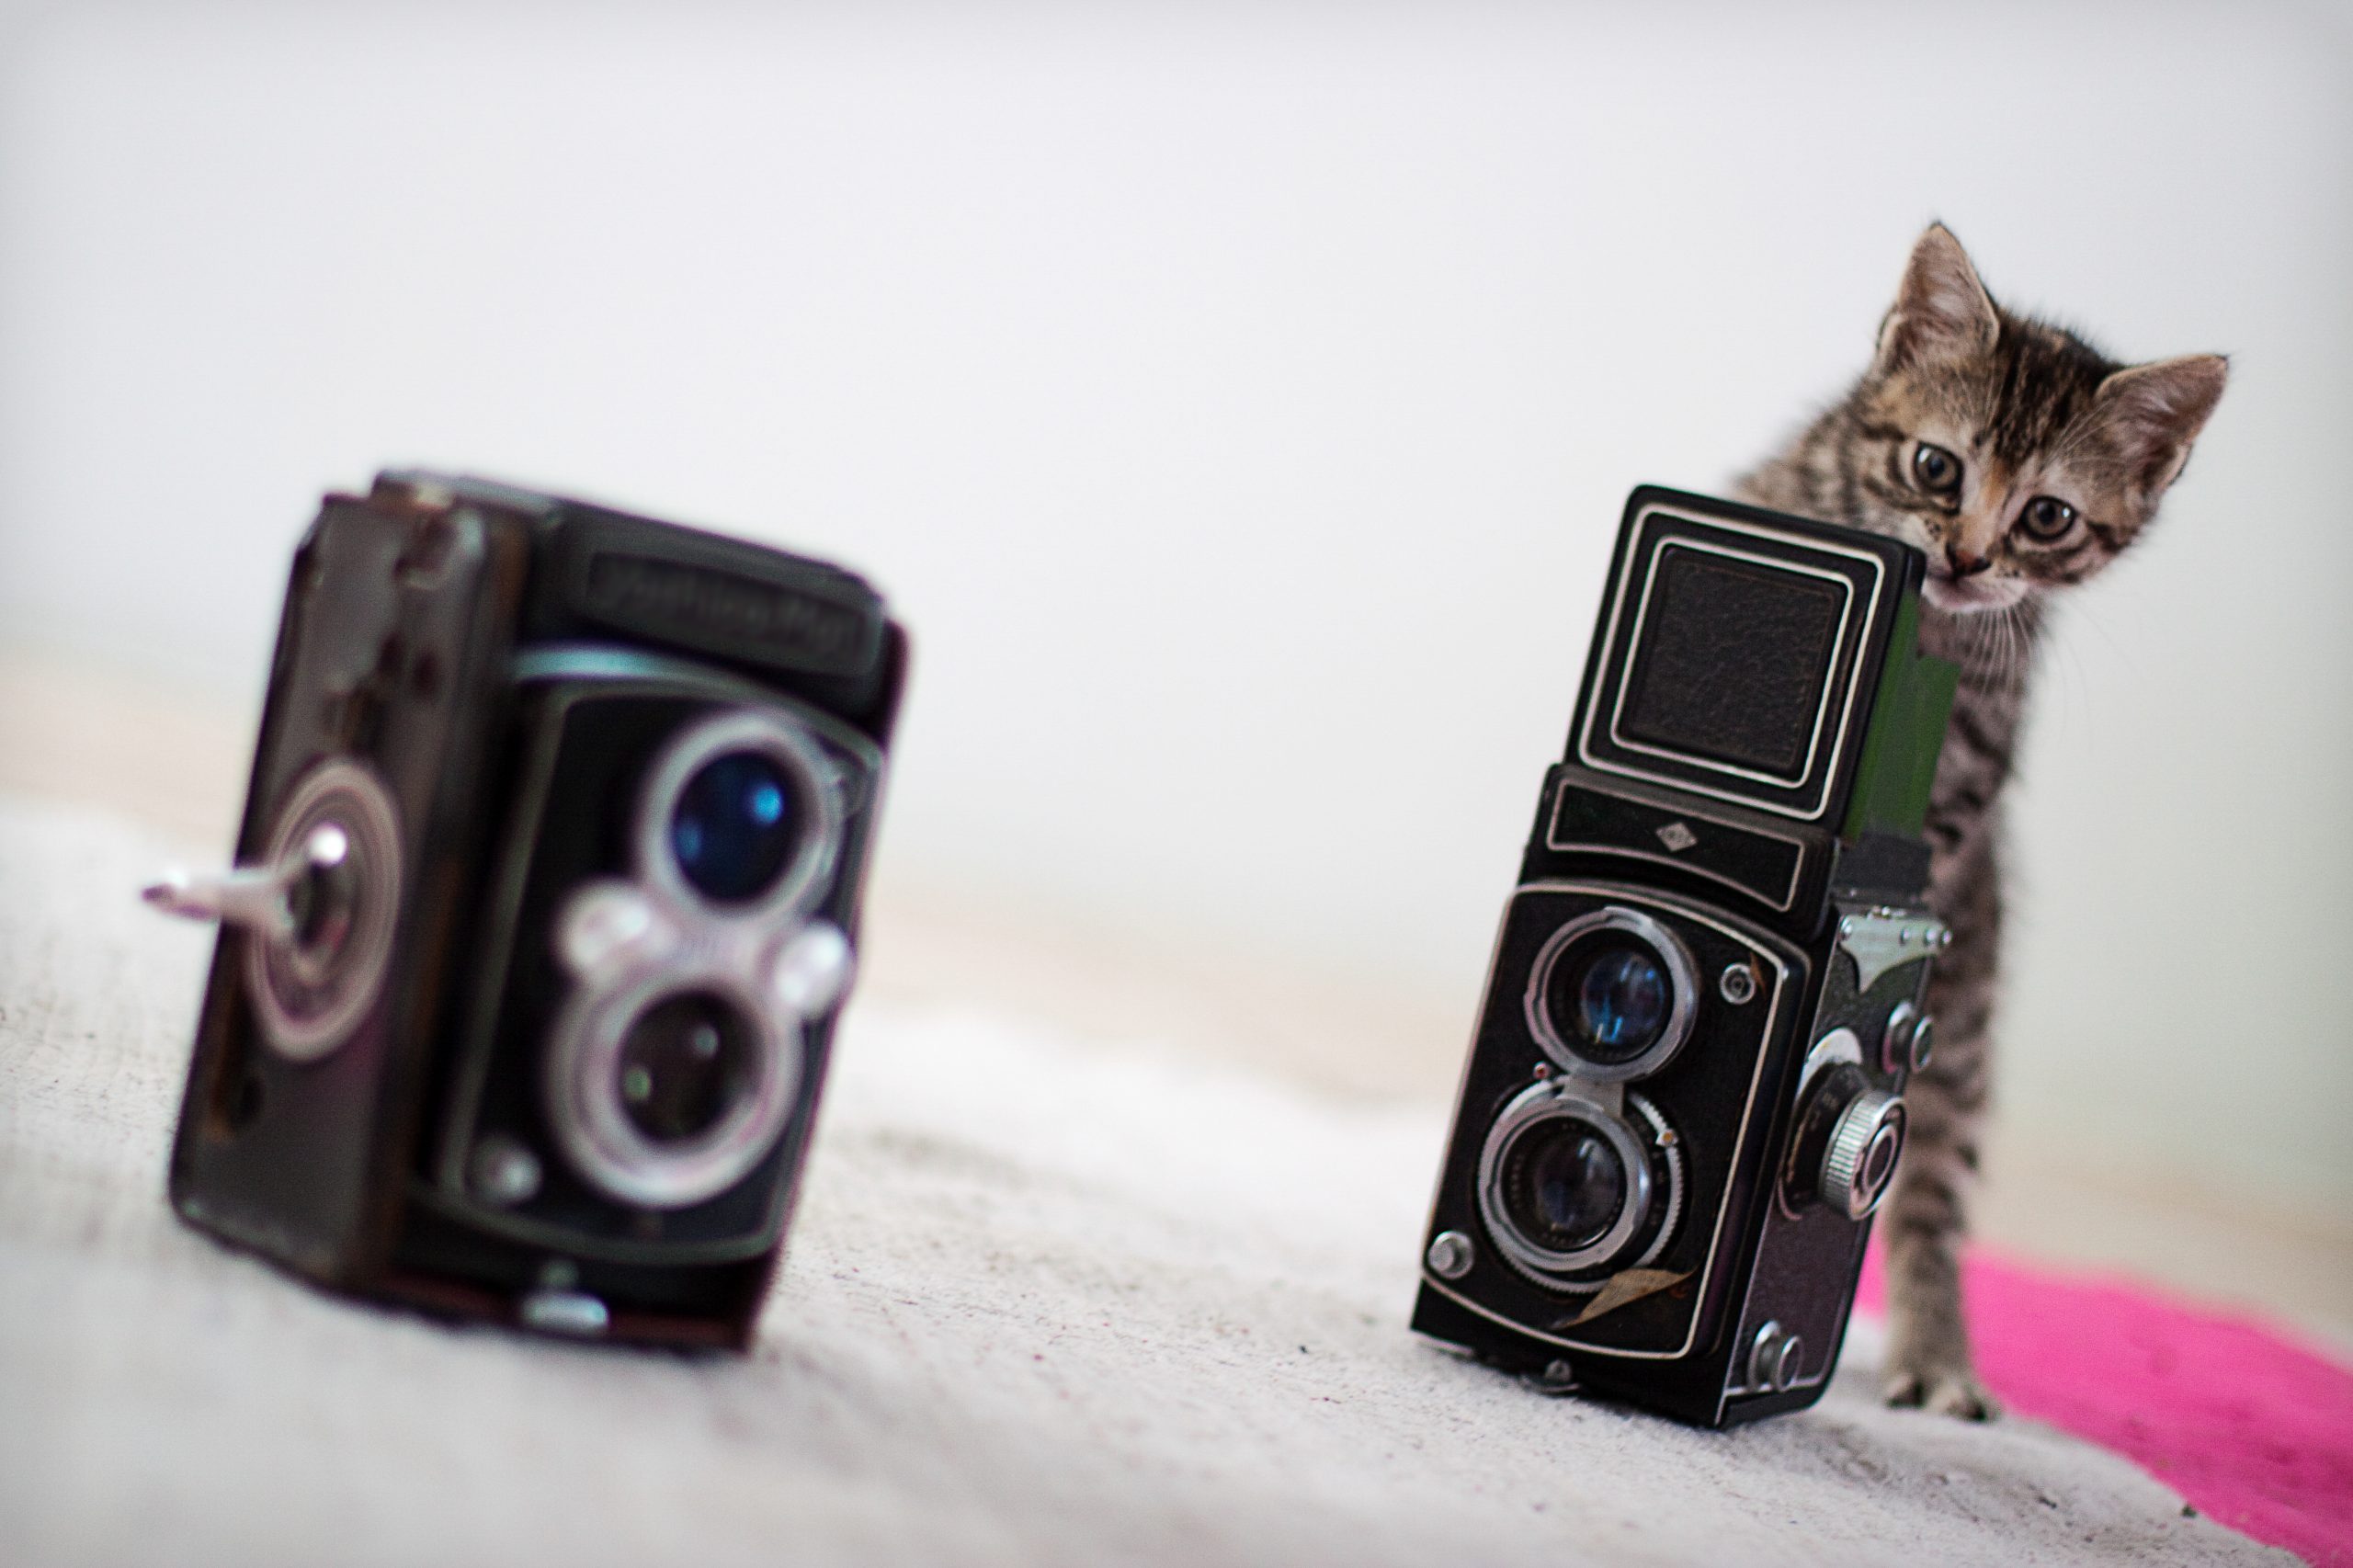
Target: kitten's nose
1964,564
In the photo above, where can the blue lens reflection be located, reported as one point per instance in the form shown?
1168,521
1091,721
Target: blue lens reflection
1622,1002
734,829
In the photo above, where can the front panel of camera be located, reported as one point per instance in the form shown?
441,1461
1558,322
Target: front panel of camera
1607,1115
640,1069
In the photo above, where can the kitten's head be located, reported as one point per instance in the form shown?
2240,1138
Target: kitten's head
2013,452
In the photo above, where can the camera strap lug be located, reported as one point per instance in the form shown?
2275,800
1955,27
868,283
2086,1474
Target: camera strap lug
1880,939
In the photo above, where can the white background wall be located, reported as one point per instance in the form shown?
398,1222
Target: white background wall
1239,400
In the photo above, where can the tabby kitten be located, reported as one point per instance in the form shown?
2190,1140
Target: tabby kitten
2023,461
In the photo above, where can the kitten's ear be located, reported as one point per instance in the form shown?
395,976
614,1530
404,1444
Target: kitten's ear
2154,412
1941,311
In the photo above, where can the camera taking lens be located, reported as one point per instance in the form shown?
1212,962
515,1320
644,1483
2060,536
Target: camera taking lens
1563,1185
1567,1186
684,1065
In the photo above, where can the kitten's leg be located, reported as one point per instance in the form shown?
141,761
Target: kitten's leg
1924,1222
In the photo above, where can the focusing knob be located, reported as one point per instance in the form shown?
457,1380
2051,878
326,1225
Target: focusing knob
1864,1146
1849,1137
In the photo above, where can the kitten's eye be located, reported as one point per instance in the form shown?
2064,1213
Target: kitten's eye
1938,471
2047,518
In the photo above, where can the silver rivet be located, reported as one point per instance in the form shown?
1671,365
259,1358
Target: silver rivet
1737,984
1846,926
1450,1254
504,1172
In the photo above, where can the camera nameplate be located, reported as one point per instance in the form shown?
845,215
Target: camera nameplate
1645,820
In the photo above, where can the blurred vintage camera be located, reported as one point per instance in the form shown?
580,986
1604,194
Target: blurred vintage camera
1685,1096
545,898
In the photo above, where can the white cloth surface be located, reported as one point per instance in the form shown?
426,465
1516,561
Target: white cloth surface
1047,1301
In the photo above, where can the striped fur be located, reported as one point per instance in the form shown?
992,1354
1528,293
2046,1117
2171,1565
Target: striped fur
2027,413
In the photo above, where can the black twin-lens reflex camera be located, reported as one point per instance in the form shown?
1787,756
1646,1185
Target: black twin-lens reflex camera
1684,1096
546,898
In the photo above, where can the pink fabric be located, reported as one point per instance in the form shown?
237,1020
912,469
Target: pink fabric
2252,1429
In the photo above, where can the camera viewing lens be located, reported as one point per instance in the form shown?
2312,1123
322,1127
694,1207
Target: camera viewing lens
685,1064
734,826
1617,1000
1612,996
1563,1185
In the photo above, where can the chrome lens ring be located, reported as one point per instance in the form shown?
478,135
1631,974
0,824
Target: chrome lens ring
1858,1166
806,874
311,987
1682,979
605,1143
1551,1102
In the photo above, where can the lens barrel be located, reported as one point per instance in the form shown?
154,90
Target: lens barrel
668,1089
1563,1185
1612,996
740,819
1567,1186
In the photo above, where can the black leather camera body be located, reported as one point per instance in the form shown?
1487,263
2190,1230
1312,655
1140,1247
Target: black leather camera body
1684,1096
546,890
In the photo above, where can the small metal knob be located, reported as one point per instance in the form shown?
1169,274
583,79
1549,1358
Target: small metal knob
1895,1038
1737,985
1773,1359
1450,1254
1865,1143
1922,1046
810,971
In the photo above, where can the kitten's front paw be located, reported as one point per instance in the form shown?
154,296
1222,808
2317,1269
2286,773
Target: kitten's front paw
1943,1391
